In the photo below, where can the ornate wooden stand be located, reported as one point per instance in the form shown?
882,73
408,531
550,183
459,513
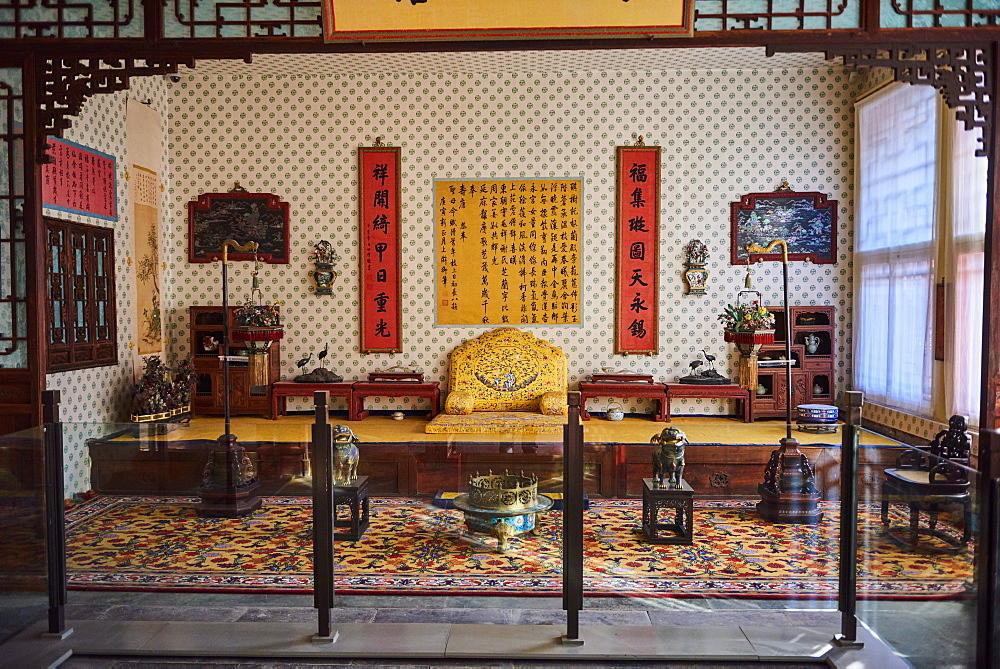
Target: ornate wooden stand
788,493
680,501
231,493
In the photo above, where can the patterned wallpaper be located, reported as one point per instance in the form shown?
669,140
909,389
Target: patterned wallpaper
723,133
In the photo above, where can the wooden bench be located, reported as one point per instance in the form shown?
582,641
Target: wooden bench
281,390
655,391
362,389
726,391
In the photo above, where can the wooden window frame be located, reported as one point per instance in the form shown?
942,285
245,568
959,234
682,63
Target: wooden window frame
72,343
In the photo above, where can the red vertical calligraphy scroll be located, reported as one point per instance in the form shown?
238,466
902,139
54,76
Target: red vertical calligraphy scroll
637,289
381,292
79,180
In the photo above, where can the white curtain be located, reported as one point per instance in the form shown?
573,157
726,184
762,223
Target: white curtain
965,251
895,246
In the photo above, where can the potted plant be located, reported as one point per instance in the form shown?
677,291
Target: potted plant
162,392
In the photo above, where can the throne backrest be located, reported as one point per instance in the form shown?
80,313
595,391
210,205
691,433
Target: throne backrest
507,370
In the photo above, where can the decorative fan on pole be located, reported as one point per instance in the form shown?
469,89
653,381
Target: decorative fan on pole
230,483
788,493
257,325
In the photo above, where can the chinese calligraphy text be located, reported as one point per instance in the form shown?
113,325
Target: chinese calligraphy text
381,292
508,252
637,293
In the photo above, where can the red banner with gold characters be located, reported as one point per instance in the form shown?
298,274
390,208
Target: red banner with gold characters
637,289
80,180
381,292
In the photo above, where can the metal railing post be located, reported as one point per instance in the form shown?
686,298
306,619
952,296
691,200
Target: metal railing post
573,521
847,595
55,518
322,481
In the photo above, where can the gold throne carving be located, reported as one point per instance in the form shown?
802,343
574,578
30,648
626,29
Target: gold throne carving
504,381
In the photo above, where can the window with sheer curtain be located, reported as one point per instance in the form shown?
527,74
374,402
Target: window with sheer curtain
966,241
905,222
894,246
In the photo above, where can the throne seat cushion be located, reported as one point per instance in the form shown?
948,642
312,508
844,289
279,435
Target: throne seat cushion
496,422
460,403
553,404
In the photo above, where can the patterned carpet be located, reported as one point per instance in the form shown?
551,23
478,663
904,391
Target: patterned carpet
153,543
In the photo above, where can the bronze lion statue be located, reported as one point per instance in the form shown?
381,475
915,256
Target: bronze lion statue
668,457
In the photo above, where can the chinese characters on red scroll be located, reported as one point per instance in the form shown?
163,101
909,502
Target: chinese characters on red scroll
638,268
381,292
80,180
508,252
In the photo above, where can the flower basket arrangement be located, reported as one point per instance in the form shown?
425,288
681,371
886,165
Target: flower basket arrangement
257,322
256,326
750,326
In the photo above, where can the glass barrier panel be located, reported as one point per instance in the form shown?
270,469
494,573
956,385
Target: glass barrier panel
23,579
412,542
918,528
465,523
750,536
163,528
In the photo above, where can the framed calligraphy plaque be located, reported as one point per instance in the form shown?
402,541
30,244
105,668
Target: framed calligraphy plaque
806,221
80,180
637,271
508,251
381,255
242,216
504,19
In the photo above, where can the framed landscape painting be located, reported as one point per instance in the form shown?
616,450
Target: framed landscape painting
242,216
806,221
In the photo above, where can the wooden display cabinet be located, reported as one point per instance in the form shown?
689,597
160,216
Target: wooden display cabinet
206,327
813,379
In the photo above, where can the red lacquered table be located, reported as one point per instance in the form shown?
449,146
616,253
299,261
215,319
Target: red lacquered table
281,390
363,389
726,391
641,386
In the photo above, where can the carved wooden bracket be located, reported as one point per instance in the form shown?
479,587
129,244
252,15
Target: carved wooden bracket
66,84
960,73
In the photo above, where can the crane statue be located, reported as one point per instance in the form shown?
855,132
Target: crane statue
710,359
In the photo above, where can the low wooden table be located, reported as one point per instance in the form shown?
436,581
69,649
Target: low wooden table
681,501
656,391
281,390
363,389
355,496
730,390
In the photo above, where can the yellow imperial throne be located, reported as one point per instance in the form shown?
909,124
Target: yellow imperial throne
505,381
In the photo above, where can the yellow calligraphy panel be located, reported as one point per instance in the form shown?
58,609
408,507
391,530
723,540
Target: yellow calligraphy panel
513,18
508,252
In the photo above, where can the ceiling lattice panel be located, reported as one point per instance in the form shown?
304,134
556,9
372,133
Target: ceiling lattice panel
633,60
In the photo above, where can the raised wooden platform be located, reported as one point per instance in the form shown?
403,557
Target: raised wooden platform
426,467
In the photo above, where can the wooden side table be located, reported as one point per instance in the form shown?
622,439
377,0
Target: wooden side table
726,391
361,389
281,390
356,498
656,391
655,499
